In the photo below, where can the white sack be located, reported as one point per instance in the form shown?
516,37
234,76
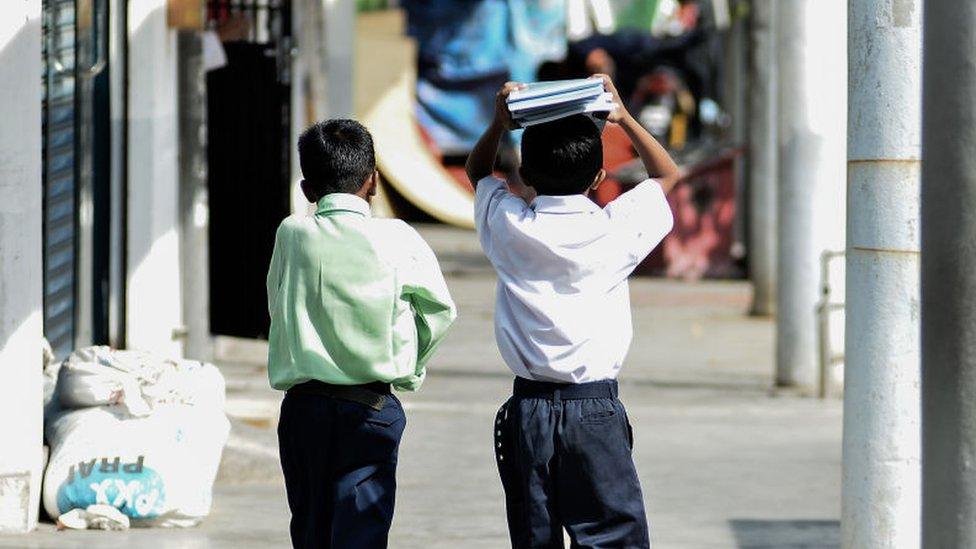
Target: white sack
157,470
136,381
136,432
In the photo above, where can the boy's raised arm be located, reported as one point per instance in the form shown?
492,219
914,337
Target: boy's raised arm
656,159
481,161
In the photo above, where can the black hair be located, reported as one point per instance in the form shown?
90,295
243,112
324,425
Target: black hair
562,157
336,156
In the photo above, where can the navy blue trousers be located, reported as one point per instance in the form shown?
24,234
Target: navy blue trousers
339,460
564,456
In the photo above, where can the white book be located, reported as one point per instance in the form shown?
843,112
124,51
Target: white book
604,99
554,88
551,100
556,115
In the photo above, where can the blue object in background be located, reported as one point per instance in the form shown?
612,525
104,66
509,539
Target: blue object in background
467,49
538,30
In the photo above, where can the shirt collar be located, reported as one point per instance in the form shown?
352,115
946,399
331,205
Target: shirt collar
568,204
342,202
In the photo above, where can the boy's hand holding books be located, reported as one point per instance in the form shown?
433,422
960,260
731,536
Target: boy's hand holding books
521,105
503,116
619,111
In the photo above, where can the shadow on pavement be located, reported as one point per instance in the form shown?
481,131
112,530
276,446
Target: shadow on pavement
786,534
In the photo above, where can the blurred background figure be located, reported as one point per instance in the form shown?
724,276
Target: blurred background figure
467,49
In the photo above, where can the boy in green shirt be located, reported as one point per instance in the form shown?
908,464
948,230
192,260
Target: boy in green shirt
357,306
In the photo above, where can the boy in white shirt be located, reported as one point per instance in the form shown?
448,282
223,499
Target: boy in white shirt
563,323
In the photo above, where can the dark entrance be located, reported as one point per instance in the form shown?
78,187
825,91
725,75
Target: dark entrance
248,121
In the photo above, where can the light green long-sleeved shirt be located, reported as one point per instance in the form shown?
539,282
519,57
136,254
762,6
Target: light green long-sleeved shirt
353,299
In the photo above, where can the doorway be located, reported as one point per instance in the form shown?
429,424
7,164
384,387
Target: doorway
248,156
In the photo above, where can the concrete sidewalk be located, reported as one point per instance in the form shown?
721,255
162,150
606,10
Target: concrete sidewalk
723,463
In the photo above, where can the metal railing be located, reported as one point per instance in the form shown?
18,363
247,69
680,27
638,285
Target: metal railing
825,308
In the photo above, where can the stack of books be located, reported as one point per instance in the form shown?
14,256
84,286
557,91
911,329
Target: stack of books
542,102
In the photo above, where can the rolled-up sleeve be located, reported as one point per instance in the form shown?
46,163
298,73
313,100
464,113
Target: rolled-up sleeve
641,218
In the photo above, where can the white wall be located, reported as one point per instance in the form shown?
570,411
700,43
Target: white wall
20,264
153,295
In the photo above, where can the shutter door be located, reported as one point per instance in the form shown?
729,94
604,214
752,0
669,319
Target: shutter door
59,171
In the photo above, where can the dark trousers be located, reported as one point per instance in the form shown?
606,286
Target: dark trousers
339,460
564,456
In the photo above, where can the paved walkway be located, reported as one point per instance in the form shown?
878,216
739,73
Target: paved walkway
723,462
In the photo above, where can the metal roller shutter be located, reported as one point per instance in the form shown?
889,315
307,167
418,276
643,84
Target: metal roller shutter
59,175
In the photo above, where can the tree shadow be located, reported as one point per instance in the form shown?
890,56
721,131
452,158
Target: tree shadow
786,534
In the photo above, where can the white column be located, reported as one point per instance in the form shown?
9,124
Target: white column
340,43
194,205
811,136
21,400
322,71
882,444
153,294
325,32
762,158
949,275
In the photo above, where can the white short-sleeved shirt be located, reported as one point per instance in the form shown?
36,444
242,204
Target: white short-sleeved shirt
562,310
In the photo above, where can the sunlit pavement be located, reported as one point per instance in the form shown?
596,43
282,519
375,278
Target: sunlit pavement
723,462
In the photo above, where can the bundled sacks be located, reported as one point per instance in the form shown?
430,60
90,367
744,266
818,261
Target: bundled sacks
136,381
138,433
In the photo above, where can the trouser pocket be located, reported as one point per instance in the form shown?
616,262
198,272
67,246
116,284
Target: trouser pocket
630,432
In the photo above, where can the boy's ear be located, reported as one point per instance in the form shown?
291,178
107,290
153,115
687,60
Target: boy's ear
600,176
309,192
368,190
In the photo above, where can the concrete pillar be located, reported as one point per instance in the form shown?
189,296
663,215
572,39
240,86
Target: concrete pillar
762,158
339,33
21,399
811,137
949,275
322,73
325,32
882,442
194,207
154,319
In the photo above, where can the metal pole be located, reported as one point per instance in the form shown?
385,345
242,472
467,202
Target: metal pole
762,158
882,444
735,97
194,206
949,275
811,137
